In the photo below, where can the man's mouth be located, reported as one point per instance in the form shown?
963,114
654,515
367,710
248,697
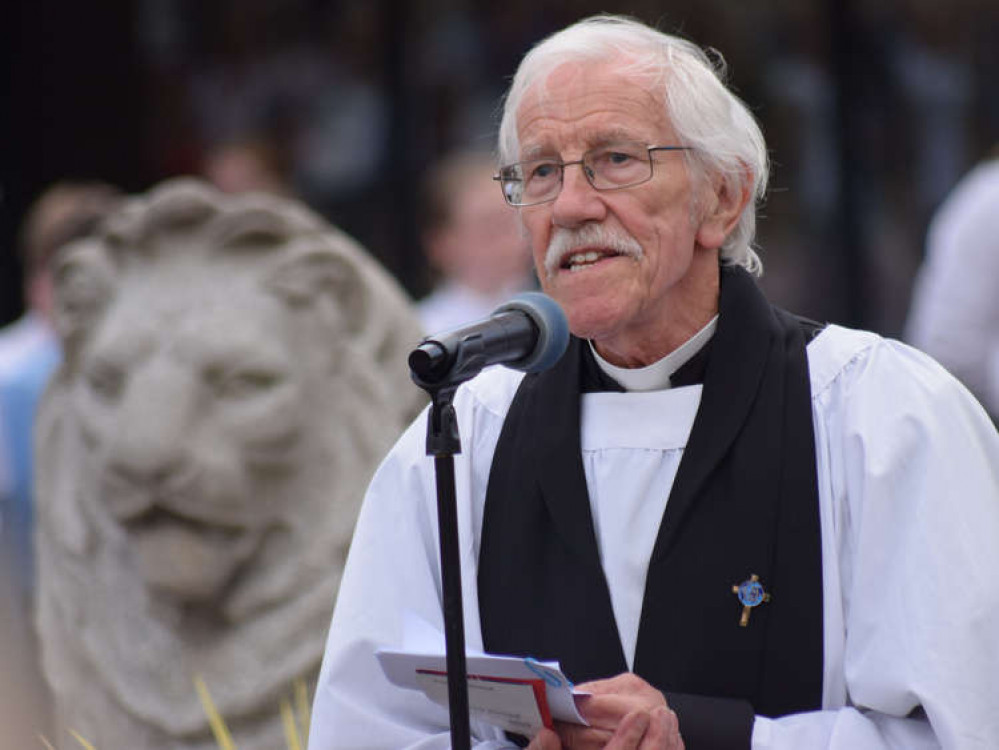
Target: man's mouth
587,246
577,261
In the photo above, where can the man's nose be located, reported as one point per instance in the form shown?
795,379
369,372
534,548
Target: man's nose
578,201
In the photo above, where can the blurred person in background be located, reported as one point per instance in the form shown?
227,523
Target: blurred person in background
473,242
28,349
29,353
954,315
249,164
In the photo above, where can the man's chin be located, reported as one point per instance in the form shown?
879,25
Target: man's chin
591,316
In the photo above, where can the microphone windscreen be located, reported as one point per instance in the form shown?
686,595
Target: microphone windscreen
553,330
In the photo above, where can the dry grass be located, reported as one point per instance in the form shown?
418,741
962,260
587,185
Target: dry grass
295,721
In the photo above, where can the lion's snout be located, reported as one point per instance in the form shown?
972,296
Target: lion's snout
132,490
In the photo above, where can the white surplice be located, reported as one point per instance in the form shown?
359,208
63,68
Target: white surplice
908,473
954,313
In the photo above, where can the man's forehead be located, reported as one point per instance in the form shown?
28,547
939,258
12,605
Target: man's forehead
587,105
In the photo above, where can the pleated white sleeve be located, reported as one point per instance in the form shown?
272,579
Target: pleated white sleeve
392,574
908,467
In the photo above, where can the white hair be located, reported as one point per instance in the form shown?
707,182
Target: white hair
725,139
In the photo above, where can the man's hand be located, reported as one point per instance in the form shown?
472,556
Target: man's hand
546,739
625,713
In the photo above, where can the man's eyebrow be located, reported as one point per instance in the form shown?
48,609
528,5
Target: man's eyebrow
537,152
616,135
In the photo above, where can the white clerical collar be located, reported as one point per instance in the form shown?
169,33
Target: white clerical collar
655,377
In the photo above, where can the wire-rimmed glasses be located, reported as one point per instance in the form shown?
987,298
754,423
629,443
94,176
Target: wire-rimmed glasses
610,167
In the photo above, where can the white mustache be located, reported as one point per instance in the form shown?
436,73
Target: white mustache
565,240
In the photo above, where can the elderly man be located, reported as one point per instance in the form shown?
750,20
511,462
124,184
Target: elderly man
725,521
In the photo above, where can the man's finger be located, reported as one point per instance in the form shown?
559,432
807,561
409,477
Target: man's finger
578,737
663,732
546,739
607,710
630,732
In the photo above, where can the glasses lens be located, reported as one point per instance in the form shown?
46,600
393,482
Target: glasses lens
542,179
529,182
512,184
618,165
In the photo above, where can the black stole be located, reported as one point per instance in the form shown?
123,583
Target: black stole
745,501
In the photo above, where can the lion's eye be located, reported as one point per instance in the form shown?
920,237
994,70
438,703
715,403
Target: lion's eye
106,381
243,383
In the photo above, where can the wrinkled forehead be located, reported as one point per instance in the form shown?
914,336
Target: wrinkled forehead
582,105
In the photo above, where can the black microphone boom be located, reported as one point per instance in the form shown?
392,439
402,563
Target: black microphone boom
529,333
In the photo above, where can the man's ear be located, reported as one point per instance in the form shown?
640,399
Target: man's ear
723,201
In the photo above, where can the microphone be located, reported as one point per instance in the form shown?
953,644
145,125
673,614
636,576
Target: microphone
529,333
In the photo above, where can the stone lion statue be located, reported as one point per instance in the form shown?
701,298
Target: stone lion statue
234,368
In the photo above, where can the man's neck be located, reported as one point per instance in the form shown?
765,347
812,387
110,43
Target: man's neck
656,376
669,319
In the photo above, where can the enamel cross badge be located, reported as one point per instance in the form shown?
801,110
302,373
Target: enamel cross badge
751,594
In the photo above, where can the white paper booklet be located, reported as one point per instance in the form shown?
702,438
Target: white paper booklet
514,693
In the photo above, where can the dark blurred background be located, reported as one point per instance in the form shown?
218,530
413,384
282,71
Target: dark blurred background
872,110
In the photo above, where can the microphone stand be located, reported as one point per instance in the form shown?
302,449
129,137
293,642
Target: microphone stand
438,366
443,443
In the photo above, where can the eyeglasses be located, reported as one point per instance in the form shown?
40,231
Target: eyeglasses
611,167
